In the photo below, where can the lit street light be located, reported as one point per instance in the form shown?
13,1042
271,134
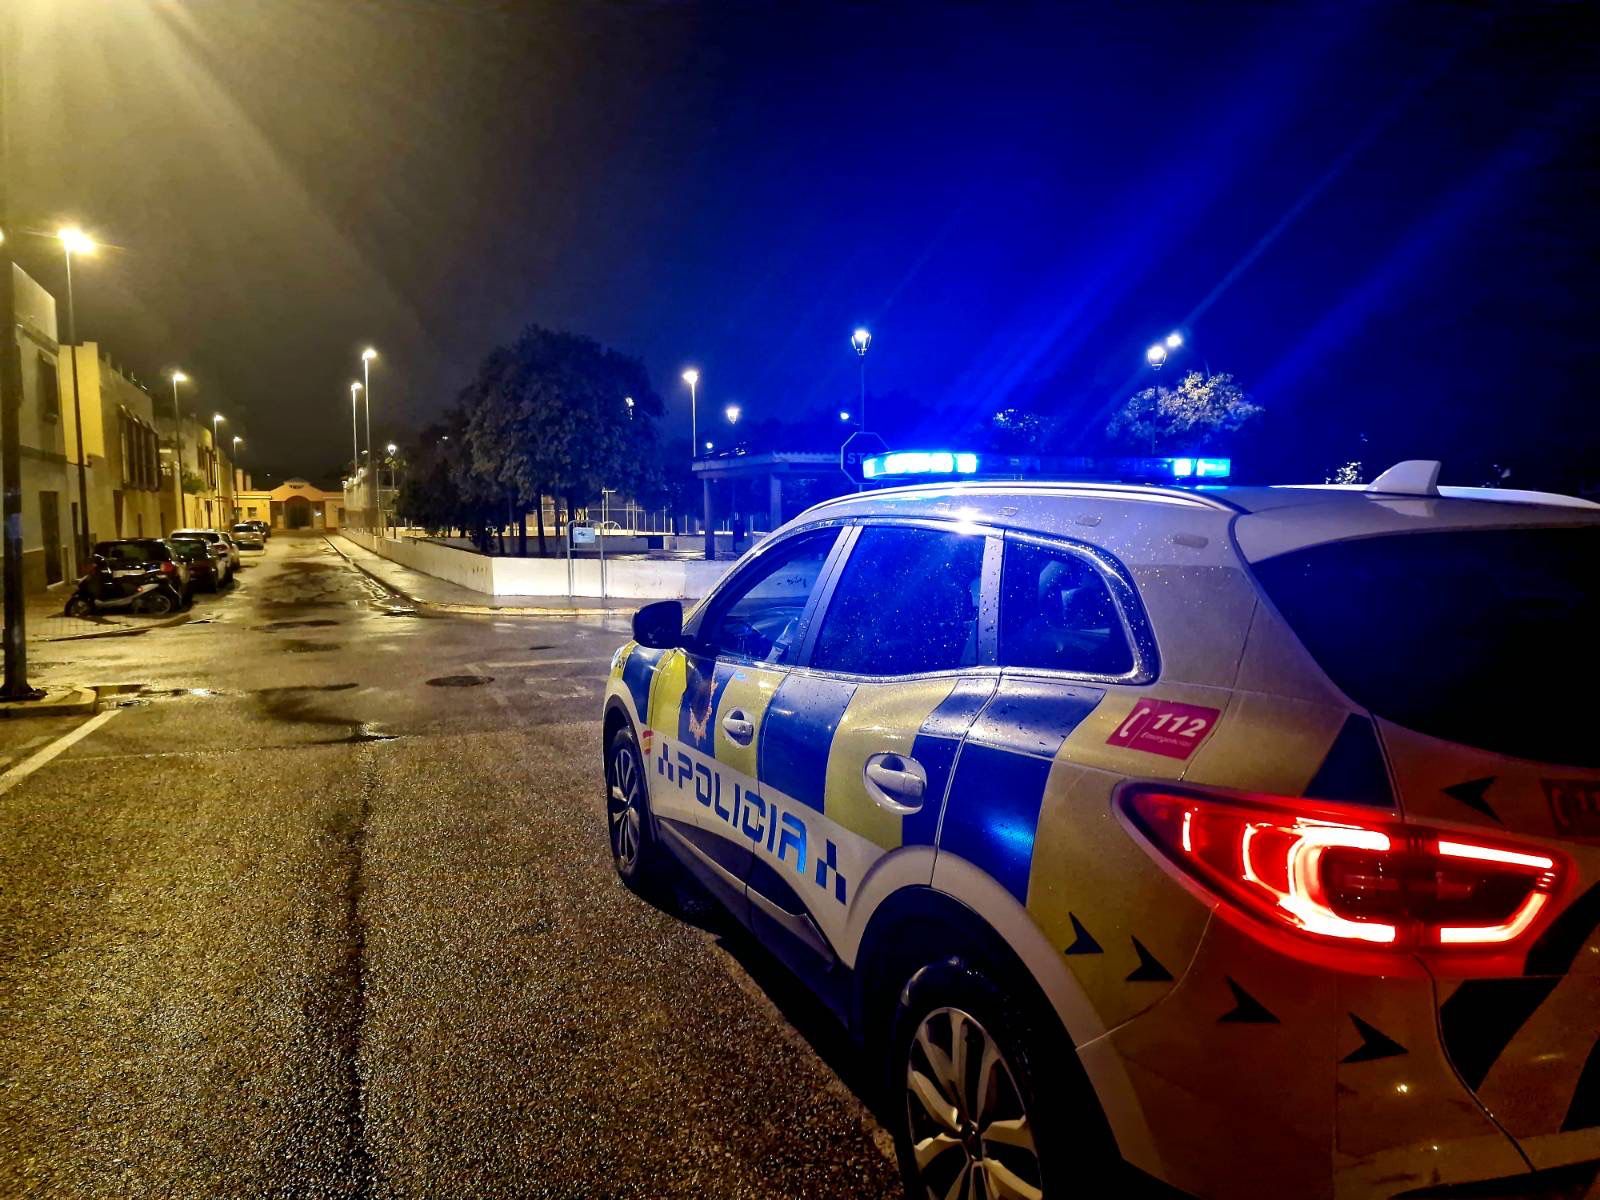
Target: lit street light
1156,355
861,339
692,378
628,400
732,413
844,414
216,478
1174,340
367,356
181,518
355,444
75,241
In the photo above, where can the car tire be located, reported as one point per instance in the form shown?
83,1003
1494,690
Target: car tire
636,852
1023,1122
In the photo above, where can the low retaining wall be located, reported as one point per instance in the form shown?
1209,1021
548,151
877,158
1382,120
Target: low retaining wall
629,579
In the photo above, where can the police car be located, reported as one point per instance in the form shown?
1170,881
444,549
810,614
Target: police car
1248,836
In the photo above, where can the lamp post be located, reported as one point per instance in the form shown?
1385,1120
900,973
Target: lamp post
692,378
75,241
391,448
367,356
732,412
216,460
861,339
180,518
355,443
628,400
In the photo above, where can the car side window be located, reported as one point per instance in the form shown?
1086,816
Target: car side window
906,603
1057,613
759,619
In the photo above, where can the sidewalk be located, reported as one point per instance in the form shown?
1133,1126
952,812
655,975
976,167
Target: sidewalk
46,622
439,595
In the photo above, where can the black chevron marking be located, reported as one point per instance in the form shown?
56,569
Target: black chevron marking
1247,1010
1471,794
1082,942
1482,1016
1149,969
1374,1045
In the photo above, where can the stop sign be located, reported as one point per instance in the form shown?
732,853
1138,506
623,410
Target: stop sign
856,448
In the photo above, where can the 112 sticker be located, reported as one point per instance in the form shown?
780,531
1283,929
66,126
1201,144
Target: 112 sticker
1165,727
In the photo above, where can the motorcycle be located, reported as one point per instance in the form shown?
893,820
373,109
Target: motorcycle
105,590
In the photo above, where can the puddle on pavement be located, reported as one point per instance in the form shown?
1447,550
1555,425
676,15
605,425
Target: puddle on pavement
308,623
461,681
302,646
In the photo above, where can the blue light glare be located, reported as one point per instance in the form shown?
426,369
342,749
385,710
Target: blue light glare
919,462
1214,468
1182,468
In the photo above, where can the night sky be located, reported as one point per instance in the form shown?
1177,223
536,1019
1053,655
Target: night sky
1382,219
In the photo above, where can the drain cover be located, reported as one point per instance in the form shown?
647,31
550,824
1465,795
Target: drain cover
461,681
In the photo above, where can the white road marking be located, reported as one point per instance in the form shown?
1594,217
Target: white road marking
29,765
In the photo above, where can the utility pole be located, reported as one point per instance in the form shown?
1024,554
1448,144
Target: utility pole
16,685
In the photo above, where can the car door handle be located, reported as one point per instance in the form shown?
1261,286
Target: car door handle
896,782
739,728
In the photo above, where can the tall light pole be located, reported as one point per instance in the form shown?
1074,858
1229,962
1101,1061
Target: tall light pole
367,356
75,241
180,518
216,461
355,443
393,487
692,378
861,339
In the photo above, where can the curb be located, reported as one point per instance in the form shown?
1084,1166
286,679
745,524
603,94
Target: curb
56,702
123,630
474,610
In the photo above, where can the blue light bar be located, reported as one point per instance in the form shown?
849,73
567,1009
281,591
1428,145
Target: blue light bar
919,462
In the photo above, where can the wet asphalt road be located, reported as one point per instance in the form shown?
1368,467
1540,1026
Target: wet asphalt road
295,922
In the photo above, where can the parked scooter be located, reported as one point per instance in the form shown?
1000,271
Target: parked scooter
105,590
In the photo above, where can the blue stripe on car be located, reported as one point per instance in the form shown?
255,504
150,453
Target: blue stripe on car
993,809
797,733
637,671
935,749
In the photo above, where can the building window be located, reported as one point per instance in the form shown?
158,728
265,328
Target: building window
49,388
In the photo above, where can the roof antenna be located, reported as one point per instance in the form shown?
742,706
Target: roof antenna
1414,477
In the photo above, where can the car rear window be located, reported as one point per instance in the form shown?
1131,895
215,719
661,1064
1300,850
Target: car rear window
130,552
1056,612
1484,637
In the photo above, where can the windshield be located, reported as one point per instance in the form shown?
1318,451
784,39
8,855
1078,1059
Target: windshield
1485,637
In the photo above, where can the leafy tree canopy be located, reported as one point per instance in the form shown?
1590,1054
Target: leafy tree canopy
1198,414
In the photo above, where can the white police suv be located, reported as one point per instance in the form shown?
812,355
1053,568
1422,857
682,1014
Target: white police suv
1250,836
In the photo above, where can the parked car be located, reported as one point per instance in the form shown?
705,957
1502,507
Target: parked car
207,561
220,538
141,575
1249,835
247,537
214,539
262,527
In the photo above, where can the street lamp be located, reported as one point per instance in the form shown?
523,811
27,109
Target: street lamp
844,414
367,356
692,378
75,241
732,413
861,339
355,444
1174,340
180,517
628,400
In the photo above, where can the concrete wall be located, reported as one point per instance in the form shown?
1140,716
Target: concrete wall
632,579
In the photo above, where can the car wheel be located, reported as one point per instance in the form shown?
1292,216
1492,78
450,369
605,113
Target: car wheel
971,1121
635,851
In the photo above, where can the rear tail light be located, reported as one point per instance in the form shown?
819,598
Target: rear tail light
168,567
1343,881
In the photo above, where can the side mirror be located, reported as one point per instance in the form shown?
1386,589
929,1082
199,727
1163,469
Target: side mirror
659,626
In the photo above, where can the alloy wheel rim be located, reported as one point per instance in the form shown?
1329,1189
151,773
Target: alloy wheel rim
622,807
971,1137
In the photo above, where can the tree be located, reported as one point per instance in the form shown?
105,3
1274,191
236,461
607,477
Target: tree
1196,415
547,415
